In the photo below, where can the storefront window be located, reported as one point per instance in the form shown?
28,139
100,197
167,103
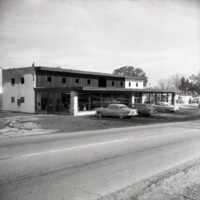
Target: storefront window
91,101
95,100
121,98
41,101
65,102
53,102
83,101
106,99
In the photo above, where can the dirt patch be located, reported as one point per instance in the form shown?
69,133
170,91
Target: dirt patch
180,183
20,124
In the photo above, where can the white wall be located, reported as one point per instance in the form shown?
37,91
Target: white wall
19,90
133,84
73,103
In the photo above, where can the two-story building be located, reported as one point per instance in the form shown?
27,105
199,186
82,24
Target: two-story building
64,91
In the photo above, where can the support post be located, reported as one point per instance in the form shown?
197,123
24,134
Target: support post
73,103
143,98
173,98
149,97
101,99
161,97
132,98
89,102
156,98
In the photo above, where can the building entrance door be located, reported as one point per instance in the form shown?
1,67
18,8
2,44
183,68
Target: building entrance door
50,103
54,103
58,103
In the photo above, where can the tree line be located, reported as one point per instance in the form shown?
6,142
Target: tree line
186,85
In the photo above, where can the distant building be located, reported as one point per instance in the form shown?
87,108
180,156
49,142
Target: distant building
64,91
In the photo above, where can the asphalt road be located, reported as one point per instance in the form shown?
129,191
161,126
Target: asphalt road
89,165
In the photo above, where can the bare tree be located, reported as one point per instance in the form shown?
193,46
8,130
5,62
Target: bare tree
172,83
165,84
161,84
176,80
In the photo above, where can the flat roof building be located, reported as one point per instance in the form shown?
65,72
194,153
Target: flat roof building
65,91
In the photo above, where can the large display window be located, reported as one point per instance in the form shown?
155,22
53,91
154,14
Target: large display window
90,101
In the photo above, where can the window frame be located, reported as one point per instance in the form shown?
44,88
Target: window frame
22,80
22,100
64,80
12,99
77,80
12,81
88,81
49,79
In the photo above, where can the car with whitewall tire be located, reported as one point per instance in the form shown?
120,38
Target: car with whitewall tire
116,110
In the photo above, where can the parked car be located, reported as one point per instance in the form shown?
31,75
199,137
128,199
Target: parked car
144,109
116,110
165,107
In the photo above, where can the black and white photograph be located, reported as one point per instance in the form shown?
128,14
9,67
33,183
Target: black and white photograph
99,99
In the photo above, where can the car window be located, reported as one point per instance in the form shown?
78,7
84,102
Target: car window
112,107
123,107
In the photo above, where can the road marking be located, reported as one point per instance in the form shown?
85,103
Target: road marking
75,147
6,158
91,145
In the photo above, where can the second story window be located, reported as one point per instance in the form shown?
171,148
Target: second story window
22,80
63,80
121,83
49,79
113,83
12,99
129,84
88,81
12,81
136,84
77,81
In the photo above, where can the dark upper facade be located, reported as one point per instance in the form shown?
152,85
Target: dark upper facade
57,77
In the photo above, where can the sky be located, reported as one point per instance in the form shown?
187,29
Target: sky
162,37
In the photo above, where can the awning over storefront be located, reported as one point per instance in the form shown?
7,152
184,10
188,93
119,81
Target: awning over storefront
102,89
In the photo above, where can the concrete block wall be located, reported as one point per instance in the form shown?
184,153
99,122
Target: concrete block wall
19,90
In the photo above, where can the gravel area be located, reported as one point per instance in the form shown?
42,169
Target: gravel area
180,183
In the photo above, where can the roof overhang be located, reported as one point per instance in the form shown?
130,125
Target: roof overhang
126,90
100,89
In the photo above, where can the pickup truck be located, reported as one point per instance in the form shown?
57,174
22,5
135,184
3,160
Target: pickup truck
116,110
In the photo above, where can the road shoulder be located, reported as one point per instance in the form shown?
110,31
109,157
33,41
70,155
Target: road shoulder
181,182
